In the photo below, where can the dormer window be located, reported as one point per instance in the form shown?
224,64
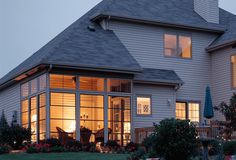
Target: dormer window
177,45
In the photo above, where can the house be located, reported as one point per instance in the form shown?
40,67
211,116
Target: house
124,65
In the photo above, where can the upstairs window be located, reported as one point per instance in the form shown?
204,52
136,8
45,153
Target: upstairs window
233,71
179,46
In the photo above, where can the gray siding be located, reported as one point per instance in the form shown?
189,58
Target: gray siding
10,101
160,108
221,76
146,43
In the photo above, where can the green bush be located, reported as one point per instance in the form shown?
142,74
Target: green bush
74,146
131,147
4,149
57,149
148,142
215,147
175,139
229,148
52,142
137,155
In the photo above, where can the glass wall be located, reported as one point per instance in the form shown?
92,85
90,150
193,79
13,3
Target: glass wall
62,113
33,107
119,119
92,113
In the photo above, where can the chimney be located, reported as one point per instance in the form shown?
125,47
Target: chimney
208,9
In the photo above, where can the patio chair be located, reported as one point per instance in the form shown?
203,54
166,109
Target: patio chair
99,135
64,137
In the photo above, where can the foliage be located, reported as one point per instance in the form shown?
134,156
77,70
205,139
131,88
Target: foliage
148,142
229,148
215,147
3,126
4,149
137,155
229,111
37,148
52,142
74,146
131,147
15,136
57,149
175,139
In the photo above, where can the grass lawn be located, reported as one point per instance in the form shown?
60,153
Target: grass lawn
64,156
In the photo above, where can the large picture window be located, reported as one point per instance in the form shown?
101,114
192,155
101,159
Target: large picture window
92,113
143,105
91,84
176,45
62,81
119,117
188,110
42,116
117,85
33,118
25,113
62,113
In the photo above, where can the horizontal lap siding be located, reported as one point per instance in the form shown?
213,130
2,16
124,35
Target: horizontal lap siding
160,107
146,43
221,76
10,101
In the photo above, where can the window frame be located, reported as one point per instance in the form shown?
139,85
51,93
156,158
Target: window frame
136,105
178,34
187,109
231,73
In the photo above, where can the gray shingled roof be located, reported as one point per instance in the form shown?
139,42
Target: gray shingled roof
78,46
229,20
180,12
158,76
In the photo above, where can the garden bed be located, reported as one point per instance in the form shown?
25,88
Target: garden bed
64,156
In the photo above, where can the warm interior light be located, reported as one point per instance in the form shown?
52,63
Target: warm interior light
126,127
71,127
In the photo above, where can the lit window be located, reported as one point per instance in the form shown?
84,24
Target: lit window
62,113
143,105
25,90
33,86
177,46
189,111
117,85
91,84
233,66
62,81
25,113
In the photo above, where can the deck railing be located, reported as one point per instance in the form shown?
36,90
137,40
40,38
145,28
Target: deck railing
207,131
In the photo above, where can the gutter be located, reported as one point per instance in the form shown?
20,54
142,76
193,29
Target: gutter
220,46
166,24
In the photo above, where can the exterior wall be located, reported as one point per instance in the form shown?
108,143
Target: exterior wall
159,103
208,9
146,43
221,76
10,101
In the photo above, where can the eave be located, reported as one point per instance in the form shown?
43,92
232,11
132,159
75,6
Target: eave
221,46
100,17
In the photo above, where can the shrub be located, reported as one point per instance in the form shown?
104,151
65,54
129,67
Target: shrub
175,139
74,146
148,142
229,148
4,149
215,148
37,148
131,147
137,155
15,136
52,142
57,149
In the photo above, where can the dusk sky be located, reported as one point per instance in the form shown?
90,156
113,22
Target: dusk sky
27,25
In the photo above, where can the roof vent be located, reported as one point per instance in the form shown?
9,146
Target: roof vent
91,28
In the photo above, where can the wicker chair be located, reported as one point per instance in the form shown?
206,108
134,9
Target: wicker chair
64,137
99,135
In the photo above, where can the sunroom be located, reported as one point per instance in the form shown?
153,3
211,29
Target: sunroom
85,107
